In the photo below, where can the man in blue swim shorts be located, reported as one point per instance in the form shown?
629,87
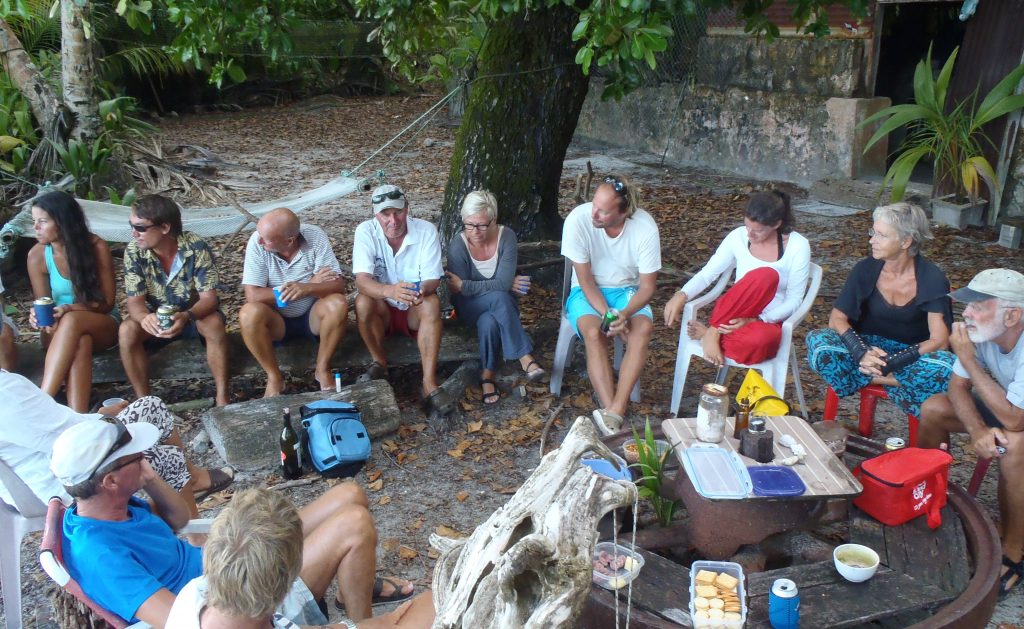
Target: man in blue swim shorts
616,255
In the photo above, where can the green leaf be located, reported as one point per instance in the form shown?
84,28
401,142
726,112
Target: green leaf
236,73
122,5
580,31
994,104
8,142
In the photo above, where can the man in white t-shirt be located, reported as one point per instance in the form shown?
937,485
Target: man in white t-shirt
396,260
293,289
8,334
616,255
986,398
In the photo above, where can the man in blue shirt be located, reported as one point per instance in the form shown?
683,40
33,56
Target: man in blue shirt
124,553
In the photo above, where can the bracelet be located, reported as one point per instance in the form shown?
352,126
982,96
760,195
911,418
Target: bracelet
348,623
191,316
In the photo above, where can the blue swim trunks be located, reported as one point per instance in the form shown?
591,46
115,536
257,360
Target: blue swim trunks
577,305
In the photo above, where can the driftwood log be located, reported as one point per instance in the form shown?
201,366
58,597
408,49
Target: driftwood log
530,564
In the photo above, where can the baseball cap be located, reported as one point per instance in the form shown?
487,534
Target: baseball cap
992,284
91,444
387,196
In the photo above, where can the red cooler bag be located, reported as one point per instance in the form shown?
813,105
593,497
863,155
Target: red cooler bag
904,484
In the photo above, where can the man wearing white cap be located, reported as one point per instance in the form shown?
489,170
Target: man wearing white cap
396,260
986,398
125,556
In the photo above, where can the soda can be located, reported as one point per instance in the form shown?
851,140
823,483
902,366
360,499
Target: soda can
784,605
895,443
44,311
165,316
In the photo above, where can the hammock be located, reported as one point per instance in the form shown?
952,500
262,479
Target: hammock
110,221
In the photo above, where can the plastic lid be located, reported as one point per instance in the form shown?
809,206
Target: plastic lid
775,480
716,473
605,468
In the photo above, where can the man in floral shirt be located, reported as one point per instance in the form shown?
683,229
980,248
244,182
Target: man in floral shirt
164,266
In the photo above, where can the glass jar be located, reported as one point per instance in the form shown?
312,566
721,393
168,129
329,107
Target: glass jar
712,409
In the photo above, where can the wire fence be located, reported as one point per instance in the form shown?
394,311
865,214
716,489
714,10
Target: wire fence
680,62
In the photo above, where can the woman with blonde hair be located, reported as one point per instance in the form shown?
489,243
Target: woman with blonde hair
890,324
481,277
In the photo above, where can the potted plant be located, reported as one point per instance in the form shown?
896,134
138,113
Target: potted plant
651,462
950,136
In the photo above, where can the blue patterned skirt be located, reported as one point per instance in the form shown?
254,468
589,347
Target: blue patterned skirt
928,375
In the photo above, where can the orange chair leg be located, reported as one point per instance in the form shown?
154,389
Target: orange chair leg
979,475
912,427
868,402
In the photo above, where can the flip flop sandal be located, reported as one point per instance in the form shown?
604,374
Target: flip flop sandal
536,374
396,595
493,396
439,402
1015,569
375,371
220,479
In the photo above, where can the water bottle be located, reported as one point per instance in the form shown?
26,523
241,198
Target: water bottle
784,605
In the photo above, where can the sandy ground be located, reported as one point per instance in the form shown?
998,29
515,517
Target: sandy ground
423,480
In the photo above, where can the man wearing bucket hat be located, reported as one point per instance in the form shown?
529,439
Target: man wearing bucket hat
986,397
125,556
396,260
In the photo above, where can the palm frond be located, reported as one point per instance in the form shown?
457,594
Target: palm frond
142,60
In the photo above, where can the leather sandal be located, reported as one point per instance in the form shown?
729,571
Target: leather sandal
220,479
1014,569
438,401
375,371
493,396
536,374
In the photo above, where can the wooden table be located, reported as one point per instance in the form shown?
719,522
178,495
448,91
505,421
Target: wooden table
717,528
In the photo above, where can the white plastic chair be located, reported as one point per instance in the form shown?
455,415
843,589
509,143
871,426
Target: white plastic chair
51,559
567,339
773,370
26,515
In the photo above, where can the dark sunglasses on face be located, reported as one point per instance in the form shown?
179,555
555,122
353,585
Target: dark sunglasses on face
394,194
617,185
141,229
134,459
122,439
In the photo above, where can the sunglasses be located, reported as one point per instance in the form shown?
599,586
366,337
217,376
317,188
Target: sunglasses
122,439
134,459
617,186
393,194
141,229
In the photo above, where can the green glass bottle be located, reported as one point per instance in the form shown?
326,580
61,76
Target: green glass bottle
291,465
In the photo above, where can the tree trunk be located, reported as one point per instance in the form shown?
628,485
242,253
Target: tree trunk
518,124
44,103
78,64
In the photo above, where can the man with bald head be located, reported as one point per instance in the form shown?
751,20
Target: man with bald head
297,261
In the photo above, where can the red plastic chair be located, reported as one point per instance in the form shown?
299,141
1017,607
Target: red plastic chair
51,558
869,397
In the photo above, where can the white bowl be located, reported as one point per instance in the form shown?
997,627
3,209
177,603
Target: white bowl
856,563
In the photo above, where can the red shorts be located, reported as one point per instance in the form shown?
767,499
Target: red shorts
399,323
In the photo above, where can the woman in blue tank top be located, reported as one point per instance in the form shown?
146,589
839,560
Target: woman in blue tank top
73,267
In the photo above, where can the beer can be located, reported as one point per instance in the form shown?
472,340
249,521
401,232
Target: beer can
44,311
784,605
608,319
165,316
895,443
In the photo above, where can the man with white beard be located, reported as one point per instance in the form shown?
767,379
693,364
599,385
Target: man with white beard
986,398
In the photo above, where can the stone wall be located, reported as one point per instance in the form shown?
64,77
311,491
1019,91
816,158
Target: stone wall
1013,194
783,110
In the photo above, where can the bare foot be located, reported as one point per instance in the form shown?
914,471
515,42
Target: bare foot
695,330
326,380
712,348
275,385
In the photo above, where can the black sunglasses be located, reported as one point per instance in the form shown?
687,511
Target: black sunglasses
134,459
393,194
142,229
617,185
122,439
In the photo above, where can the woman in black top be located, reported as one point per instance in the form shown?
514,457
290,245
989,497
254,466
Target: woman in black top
890,324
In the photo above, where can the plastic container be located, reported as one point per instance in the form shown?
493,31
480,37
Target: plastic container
629,450
622,577
716,473
775,480
730,568
605,468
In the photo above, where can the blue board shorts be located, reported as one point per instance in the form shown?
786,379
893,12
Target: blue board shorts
577,306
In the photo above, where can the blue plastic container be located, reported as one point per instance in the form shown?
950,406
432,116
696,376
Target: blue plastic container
775,480
605,468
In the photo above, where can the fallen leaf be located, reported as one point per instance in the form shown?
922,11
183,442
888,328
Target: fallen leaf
474,426
383,500
376,485
407,553
433,554
372,476
461,496
390,544
447,531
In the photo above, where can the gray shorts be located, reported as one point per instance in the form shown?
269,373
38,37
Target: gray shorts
5,320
